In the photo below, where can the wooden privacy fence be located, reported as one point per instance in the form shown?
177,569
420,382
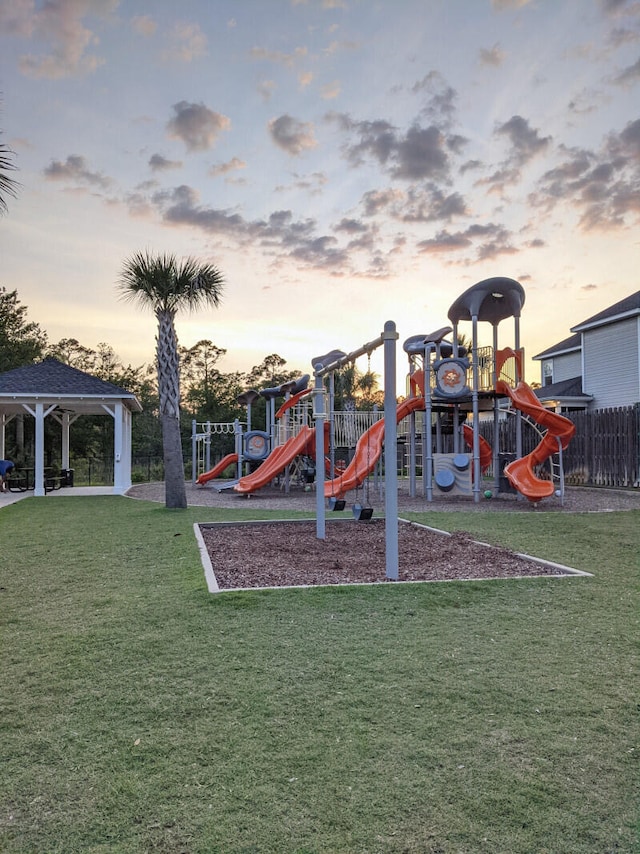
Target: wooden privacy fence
605,450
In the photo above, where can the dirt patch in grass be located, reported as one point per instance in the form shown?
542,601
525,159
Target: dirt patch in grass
279,554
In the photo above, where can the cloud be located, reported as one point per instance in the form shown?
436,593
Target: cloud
376,139
337,46
351,226
612,7
602,186
291,135
59,26
144,25
623,35
431,205
187,42
501,5
266,89
499,180
440,106
490,240
375,202
470,166
416,205
18,18
420,153
525,141
628,76
584,102
196,125
75,169
158,163
230,166
525,144
330,90
444,242
312,183
305,78
283,236
279,58
493,57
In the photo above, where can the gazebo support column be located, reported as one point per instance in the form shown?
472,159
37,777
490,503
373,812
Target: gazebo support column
66,421
39,414
121,447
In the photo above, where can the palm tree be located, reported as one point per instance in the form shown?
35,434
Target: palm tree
8,186
167,286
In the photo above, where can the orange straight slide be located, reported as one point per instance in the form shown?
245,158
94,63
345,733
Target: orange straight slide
217,469
367,453
277,461
520,472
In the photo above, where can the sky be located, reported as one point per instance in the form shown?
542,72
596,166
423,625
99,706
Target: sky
342,162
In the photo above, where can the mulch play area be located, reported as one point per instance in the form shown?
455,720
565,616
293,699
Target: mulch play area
282,554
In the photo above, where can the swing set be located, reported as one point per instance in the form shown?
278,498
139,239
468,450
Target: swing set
327,365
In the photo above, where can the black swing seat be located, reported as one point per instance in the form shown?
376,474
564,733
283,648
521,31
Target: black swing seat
362,514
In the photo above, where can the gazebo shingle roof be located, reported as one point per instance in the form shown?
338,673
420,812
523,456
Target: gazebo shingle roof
52,377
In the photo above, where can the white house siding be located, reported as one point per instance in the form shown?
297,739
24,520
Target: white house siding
612,364
567,366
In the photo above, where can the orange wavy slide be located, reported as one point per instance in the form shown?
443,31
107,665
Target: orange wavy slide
277,461
367,453
520,472
217,469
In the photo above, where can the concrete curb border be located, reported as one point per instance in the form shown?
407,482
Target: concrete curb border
562,571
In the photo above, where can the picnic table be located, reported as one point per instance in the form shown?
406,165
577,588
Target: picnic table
23,479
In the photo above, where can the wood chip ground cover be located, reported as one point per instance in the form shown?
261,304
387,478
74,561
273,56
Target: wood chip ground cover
279,554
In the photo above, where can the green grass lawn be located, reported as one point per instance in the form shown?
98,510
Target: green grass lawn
140,714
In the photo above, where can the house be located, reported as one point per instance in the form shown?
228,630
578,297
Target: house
598,366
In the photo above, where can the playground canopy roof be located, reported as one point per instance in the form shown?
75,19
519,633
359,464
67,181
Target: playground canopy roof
491,300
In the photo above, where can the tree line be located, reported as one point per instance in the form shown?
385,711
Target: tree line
207,392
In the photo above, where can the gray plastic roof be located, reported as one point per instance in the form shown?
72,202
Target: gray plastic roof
491,300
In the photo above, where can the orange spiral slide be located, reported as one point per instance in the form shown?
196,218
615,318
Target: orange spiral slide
520,472
486,454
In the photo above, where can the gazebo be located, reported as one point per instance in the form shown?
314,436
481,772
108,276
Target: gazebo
51,388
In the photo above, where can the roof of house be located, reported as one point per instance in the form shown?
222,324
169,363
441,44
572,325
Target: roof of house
571,388
52,379
627,307
567,345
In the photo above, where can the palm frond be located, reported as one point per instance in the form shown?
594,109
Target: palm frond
8,186
166,284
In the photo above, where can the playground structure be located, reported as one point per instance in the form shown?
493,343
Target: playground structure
447,385
253,446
